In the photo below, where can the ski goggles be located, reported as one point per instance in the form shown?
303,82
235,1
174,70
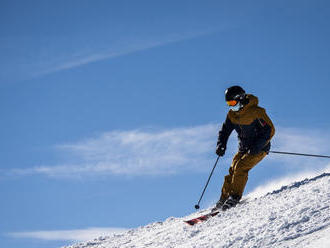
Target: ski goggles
232,102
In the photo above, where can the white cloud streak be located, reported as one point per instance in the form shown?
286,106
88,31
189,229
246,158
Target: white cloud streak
135,152
171,151
301,141
119,49
50,54
68,235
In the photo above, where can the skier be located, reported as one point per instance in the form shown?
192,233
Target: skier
255,130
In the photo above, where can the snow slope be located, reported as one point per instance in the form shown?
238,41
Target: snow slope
297,215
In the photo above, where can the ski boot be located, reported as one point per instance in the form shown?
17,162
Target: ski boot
218,205
232,201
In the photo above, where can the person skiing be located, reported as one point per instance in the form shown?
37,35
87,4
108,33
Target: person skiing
255,130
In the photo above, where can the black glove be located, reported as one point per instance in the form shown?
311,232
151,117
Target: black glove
258,146
254,151
220,151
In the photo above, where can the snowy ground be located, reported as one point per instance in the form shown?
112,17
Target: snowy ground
297,215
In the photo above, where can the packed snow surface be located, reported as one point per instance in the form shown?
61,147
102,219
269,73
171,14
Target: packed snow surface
297,215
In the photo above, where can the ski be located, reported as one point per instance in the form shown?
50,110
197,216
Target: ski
213,213
201,218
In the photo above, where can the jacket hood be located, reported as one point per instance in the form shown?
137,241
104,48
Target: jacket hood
252,102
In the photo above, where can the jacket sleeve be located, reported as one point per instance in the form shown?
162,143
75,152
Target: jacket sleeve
265,131
224,133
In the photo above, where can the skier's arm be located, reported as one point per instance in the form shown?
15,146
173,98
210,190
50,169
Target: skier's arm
224,133
266,131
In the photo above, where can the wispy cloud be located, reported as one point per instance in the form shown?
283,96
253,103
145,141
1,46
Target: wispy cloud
301,140
120,48
169,151
135,152
53,54
68,235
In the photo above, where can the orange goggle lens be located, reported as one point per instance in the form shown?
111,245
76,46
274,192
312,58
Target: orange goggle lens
232,102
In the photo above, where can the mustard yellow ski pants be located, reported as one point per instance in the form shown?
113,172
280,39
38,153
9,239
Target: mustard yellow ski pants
235,182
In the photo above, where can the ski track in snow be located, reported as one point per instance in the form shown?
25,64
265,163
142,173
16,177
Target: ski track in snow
296,216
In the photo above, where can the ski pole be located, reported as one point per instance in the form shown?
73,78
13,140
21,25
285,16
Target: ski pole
301,154
208,180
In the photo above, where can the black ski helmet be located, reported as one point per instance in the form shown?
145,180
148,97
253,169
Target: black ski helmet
235,93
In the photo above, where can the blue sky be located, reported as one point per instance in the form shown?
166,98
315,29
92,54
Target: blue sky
110,109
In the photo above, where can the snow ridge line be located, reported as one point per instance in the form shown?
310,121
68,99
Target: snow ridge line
298,184
282,218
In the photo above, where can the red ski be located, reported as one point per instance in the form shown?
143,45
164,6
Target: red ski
205,217
201,218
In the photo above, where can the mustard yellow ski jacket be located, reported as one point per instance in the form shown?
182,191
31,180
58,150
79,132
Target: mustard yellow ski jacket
253,126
